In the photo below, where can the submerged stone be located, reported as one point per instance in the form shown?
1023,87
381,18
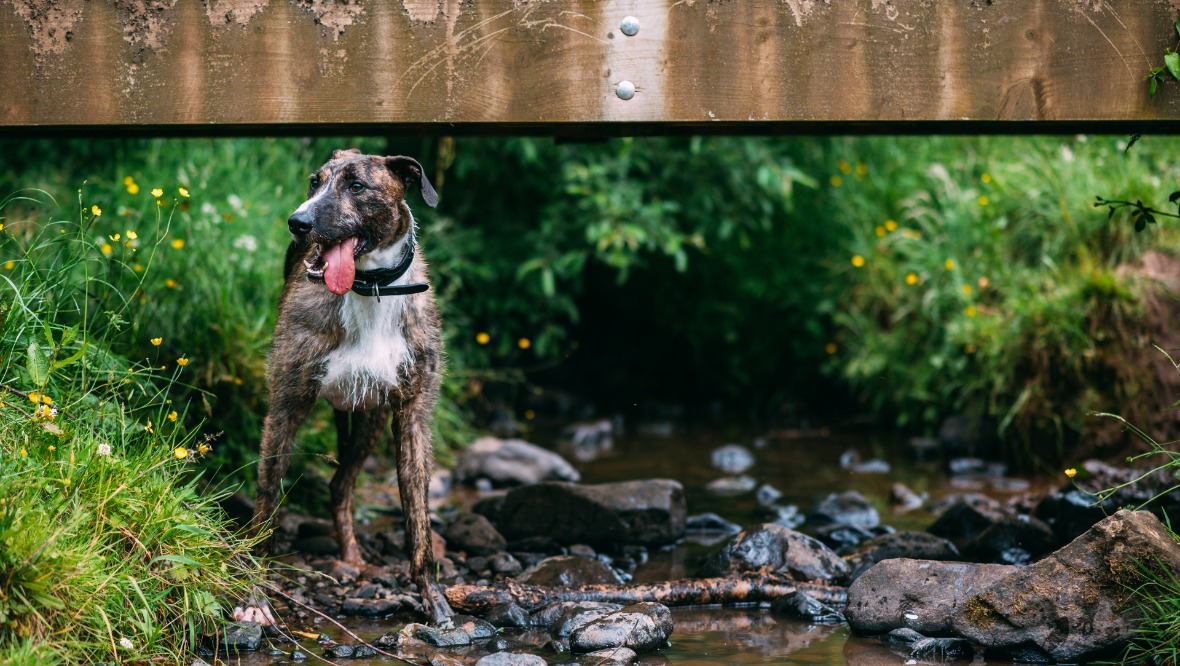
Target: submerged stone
569,571
781,550
641,627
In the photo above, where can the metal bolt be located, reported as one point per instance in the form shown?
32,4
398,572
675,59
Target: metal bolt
629,26
625,90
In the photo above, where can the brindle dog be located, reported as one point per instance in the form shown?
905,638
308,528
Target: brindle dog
358,327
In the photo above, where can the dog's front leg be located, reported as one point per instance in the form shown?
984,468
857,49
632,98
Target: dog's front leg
414,454
357,434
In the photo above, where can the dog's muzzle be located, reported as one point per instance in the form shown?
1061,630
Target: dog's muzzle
300,224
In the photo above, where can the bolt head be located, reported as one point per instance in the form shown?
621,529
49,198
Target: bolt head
629,26
625,89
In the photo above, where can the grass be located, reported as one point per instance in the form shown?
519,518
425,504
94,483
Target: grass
109,552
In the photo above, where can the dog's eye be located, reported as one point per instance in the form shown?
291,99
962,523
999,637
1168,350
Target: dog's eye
356,188
315,182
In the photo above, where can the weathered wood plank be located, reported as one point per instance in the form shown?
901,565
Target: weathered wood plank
444,66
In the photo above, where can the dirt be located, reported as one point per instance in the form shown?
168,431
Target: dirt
232,13
50,24
146,23
333,15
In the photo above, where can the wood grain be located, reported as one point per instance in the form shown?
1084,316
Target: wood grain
446,66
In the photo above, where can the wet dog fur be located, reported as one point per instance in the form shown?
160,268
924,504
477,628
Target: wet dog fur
371,358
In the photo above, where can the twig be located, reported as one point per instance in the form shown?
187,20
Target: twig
360,640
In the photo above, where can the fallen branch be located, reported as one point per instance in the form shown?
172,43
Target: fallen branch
749,589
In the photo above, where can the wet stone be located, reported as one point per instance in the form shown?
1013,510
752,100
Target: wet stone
555,612
779,549
340,651
476,628
509,462
848,536
507,615
577,616
731,485
800,605
649,511
474,534
241,637
732,459
444,660
504,563
298,655
942,649
914,545
363,652
569,571
641,627
710,523
442,637
558,646
846,508
370,607
967,518
1017,540
612,657
275,652
902,636
767,495
511,659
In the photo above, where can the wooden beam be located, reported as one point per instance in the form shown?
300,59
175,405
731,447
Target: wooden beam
494,66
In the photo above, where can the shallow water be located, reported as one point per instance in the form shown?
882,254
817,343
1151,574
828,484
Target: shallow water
805,467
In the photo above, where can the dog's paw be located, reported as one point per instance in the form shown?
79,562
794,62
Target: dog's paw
254,612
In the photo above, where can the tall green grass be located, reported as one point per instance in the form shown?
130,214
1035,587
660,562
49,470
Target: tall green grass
108,552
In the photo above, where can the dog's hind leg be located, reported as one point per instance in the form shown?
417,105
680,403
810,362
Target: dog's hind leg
357,434
414,453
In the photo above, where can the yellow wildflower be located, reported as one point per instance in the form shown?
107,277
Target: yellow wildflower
156,341
966,289
1071,472
170,283
183,192
524,343
861,169
970,311
836,181
182,361
65,482
238,381
180,452
34,396
844,167
830,348
1,227
880,230
128,180
983,200
204,448
529,415
172,416
106,248
9,264
115,237
157,192
24,453
132,188
890,225
986,178
483,338
858,260
95,210
132,235
911,278
950,264
138,268
149,427
177,243
52,448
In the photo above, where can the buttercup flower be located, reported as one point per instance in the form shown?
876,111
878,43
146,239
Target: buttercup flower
183,192
524,343
950,264
95,210
149,427
890,225
1071,472
858,261
172,416
204,448
177,243
156,341
830,348
911,278
181,453
483,338
170,283
157,192
106,248
132,235
182,361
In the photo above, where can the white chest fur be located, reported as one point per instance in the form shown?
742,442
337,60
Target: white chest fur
374,354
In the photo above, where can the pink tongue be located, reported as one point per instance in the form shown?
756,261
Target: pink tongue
339,267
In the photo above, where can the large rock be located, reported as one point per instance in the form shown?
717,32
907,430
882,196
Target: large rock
641,627
1017,540
475,535
1070,606
512,462
967,518
846,508
913,545
771,546
917,594
569,571
643,512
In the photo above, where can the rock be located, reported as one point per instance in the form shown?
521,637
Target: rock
340,571
505,563
1070,605
317,545
967,518
904,499
575,615
644,512
476,628
340,651
298,655
474,534
613,657
642,627
942,649
912,545
902,636
788,516
558,646
731,485
781,550
800,605
444,660
507,615
454,637
569,571
586,440
918,594
370,607
767,495
1017,540
1071,512
732,458
553,613
709,523
955,434
846,508
511,659
974,468
511,462
363,652
241,637
837,536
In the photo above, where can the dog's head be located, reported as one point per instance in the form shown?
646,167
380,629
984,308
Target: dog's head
356,205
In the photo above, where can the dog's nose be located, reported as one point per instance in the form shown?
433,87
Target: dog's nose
299,223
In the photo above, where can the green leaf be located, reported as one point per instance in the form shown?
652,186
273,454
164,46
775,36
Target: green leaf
1172,62
1177,25
179,559
548,284
68,335
48,333
72,358
1153,86
38,366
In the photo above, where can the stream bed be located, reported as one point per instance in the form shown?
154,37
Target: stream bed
804,465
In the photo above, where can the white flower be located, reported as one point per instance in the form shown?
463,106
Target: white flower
247,243
104,449
124,641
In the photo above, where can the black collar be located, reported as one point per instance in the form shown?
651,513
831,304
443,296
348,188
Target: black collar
379,281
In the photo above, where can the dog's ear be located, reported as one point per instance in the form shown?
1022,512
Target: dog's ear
411,173
351,152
